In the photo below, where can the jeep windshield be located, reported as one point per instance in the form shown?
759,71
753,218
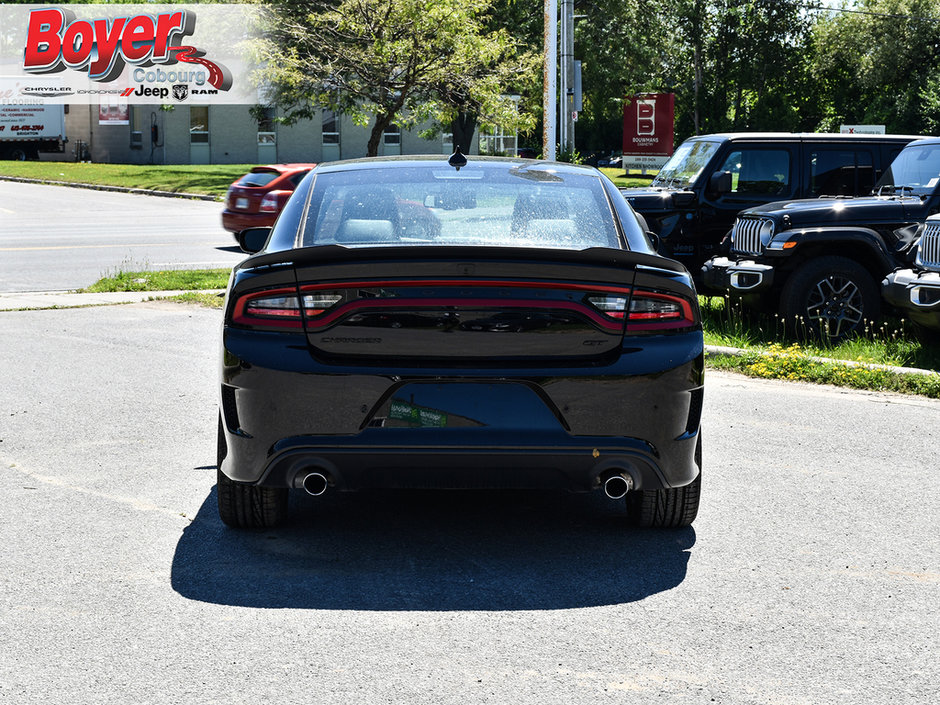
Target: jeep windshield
686,164
915,171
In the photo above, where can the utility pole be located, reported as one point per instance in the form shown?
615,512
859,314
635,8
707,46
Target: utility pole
567,76
549,71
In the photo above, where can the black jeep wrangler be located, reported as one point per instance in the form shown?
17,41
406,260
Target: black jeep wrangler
692,202
819,261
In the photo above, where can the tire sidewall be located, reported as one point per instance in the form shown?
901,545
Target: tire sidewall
794,299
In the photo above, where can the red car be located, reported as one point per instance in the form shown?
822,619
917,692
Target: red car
256,198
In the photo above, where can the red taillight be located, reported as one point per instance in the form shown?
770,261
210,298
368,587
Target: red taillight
280,308
612,305
651,310
272,201
315,304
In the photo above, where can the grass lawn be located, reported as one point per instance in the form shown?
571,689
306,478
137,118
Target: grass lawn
210,179
623,179
206,179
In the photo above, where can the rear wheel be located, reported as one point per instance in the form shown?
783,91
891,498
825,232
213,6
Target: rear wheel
829,298
669,508
245,506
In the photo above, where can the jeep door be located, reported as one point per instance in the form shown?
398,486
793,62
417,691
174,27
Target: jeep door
761,172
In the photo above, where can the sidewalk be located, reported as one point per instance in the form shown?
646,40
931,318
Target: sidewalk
16,301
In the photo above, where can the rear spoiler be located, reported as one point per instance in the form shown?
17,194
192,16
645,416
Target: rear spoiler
326,254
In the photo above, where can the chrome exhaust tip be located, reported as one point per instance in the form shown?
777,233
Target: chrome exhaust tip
617,486
315,483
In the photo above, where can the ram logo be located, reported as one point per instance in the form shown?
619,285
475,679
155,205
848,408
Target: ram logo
180,91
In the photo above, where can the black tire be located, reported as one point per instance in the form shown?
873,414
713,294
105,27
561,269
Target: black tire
245,506
16,154
670,508
830,298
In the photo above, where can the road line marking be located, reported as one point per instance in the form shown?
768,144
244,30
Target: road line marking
99,247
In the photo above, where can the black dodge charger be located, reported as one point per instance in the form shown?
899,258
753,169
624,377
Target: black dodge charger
426,322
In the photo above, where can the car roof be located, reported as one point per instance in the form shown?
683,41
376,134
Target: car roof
280,167
806,137
442,160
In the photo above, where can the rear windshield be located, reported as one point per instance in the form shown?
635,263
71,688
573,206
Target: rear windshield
492,204
258,178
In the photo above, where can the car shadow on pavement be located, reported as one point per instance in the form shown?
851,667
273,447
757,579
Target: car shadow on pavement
430,550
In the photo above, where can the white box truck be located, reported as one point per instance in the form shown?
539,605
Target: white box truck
27,130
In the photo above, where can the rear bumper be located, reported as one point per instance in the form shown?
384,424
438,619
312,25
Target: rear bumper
737,277
236,221
286,415
472,460
916,294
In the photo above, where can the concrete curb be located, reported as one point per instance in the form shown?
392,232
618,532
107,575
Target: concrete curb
737,352
115,189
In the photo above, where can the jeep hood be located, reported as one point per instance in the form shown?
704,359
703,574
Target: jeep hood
652,199
834,211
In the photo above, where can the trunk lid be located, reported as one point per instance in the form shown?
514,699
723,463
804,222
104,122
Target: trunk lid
472,304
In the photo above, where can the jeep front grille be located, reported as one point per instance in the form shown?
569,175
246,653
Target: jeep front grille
929,254
745,235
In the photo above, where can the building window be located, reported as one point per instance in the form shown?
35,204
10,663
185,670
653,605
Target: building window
199,124
392,135
330,127
498,143
267,132
137,126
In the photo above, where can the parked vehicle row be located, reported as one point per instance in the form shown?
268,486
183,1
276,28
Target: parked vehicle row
696,196
803,225
820,262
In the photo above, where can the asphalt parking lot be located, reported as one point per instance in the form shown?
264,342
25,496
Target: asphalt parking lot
811,575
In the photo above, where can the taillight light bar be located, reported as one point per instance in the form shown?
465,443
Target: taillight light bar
272,308
648,310
607,305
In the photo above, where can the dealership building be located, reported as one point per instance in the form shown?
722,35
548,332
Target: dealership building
232,134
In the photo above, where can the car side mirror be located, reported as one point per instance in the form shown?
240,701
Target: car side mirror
253,239
719,183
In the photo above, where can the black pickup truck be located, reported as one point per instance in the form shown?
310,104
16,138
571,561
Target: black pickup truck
693,201
819,262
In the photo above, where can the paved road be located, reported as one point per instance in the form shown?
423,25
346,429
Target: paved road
56,237
811,577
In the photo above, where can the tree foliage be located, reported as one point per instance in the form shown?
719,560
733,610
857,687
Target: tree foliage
394,61
779,65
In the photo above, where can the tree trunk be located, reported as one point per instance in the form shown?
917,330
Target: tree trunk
462,129
382,121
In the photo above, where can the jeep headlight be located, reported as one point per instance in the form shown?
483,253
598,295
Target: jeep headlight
766,232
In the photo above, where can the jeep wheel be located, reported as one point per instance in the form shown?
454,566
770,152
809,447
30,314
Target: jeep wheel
669,508
829,298
245,506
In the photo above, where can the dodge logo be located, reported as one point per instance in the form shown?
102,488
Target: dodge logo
180,91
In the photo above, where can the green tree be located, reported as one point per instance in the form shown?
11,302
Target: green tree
394,61
877,63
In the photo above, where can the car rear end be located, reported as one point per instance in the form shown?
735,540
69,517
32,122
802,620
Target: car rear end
255,199
439,359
